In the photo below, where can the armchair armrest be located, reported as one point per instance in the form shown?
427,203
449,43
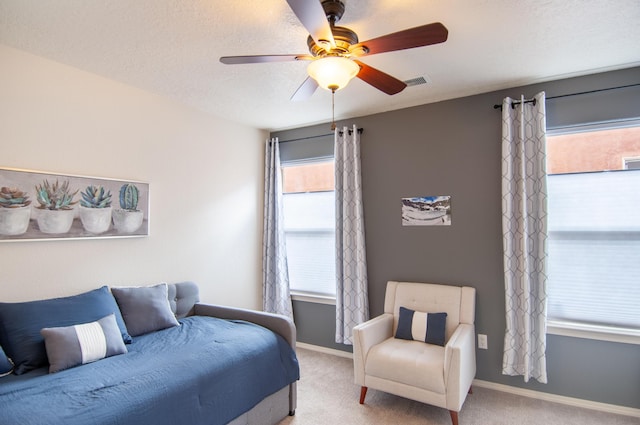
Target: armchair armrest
365,336
459,365
279,324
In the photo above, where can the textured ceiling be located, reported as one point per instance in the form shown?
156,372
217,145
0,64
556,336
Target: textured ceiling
172,47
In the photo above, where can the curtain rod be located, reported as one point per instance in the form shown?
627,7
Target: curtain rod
569,94
360,130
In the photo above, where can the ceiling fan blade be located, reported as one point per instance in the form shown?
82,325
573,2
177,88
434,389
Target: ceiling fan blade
305,90
424,35
380,80
311,14
234,60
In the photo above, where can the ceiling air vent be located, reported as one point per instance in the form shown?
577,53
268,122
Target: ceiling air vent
415,81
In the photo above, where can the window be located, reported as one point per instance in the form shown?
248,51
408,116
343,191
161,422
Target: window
309,221
594,230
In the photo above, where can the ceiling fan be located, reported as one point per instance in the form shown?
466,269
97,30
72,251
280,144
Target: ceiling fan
334,50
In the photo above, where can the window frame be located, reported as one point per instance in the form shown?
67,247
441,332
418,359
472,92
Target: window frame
630,160
579,329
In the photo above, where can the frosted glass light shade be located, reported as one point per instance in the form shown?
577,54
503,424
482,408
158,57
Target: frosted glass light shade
333,72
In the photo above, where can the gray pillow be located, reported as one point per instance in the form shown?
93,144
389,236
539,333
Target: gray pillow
71,346
145,308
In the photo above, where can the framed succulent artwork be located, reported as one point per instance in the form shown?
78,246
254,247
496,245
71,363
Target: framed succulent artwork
36,205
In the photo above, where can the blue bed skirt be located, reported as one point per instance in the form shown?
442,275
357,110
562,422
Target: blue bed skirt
206,371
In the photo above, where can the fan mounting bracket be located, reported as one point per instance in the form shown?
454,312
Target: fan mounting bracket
333,9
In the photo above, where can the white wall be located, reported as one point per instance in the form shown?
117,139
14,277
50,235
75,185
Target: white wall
205,178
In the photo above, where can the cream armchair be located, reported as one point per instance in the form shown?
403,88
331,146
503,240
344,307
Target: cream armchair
428,373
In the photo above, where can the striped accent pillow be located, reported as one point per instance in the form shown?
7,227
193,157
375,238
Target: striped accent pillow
418,326
84,343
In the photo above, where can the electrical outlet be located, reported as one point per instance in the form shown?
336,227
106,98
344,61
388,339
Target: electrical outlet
482,342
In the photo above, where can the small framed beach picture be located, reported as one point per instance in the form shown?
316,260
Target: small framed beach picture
426,211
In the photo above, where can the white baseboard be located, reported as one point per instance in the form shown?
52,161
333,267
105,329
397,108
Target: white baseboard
570,401
554,398
325,350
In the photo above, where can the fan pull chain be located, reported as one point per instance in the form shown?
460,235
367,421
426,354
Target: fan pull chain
333,109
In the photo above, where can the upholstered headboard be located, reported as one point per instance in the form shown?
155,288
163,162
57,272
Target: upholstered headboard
182,297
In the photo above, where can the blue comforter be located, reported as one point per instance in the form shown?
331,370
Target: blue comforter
206,371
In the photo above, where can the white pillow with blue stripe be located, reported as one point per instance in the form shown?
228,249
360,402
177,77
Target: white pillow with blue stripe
84,343
418,326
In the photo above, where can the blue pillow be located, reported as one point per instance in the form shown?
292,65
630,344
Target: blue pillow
418,326
6,365
20,323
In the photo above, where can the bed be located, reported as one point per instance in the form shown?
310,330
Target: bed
220,365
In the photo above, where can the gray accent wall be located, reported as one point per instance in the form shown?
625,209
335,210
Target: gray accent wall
453,148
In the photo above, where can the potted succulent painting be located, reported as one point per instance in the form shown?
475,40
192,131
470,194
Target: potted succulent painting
95,209
14,211
55,212
129,218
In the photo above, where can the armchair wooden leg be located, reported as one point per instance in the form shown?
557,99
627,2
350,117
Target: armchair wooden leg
454,417
363,394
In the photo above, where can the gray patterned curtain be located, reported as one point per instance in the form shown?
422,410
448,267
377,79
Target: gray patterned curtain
275,274
352,301
524,228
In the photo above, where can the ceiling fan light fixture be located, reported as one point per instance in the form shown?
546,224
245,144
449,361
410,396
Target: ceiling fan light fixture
333,72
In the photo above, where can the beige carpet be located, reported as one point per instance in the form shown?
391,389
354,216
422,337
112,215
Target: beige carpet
328,396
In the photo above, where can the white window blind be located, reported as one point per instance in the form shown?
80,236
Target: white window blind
594,248
309,220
